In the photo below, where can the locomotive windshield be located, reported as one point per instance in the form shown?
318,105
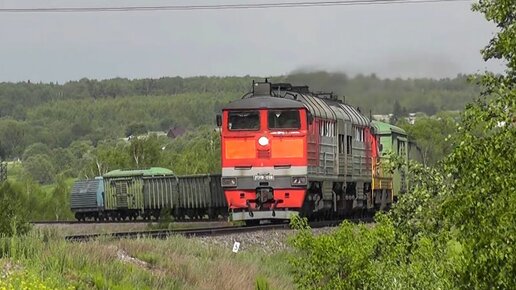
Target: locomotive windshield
284,119
244,120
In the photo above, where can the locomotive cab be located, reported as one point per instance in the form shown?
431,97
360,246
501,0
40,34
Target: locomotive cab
264,159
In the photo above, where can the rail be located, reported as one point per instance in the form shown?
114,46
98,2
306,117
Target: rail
202,232
153,221
161,234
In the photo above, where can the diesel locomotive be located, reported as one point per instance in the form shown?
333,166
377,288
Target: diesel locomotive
286,150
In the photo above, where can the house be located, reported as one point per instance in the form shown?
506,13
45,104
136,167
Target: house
382,118
175,132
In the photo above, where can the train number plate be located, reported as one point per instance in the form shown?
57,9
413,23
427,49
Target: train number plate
263,177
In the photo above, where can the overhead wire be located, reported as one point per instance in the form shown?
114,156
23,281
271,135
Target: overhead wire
219,6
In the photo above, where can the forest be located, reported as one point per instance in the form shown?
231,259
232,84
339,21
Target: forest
95,111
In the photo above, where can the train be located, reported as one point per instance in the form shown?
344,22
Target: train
148,194
285,150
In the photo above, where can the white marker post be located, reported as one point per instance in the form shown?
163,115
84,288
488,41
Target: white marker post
236,246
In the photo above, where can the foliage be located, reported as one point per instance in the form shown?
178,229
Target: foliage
13,214
381,95
135,129
39,168
13,136
29,280
60,200
36,149
432,135
455,228
370,257
145,152
194,153
261,283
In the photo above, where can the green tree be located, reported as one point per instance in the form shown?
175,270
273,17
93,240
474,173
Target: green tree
106,157
194,153
13,213
135,129
39,168
36,149
145,152
397,112
432,134
60,200
79,148
12,134
64,162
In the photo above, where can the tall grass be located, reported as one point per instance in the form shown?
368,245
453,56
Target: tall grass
176,263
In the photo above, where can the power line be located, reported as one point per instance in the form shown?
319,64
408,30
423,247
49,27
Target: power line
220,6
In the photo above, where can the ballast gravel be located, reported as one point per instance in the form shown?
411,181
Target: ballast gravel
269,241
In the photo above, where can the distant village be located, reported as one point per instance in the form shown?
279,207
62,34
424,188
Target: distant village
411,118
171,133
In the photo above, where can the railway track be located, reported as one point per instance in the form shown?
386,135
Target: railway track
199,232
72,222
161,234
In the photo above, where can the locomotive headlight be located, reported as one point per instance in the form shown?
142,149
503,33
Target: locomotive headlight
229,182
298,180
263,141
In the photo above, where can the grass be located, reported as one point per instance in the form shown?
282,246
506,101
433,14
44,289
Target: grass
14,171
45,260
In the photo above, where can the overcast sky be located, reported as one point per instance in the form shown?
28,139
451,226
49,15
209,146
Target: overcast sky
417,40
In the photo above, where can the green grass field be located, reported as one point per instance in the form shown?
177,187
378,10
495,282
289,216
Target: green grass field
42,260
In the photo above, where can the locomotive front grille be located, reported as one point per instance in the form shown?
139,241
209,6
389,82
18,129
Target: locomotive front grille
263,154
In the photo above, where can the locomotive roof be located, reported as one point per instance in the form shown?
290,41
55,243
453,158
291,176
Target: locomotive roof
286,96
153,171
263,102
332,109
386,128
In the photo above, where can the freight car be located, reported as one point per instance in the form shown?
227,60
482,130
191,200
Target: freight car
286,150
393,139
148,193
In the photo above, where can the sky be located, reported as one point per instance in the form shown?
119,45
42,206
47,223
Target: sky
434,40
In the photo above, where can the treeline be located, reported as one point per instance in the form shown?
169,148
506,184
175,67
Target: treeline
16,98
369,92
194,153
58,124
57,115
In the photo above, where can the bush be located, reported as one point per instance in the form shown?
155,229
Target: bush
39,168
13,216
455,228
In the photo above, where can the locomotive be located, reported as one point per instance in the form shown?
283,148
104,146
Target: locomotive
287,150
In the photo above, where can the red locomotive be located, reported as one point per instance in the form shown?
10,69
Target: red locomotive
286,150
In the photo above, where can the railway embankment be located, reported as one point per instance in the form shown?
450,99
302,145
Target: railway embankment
145,263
